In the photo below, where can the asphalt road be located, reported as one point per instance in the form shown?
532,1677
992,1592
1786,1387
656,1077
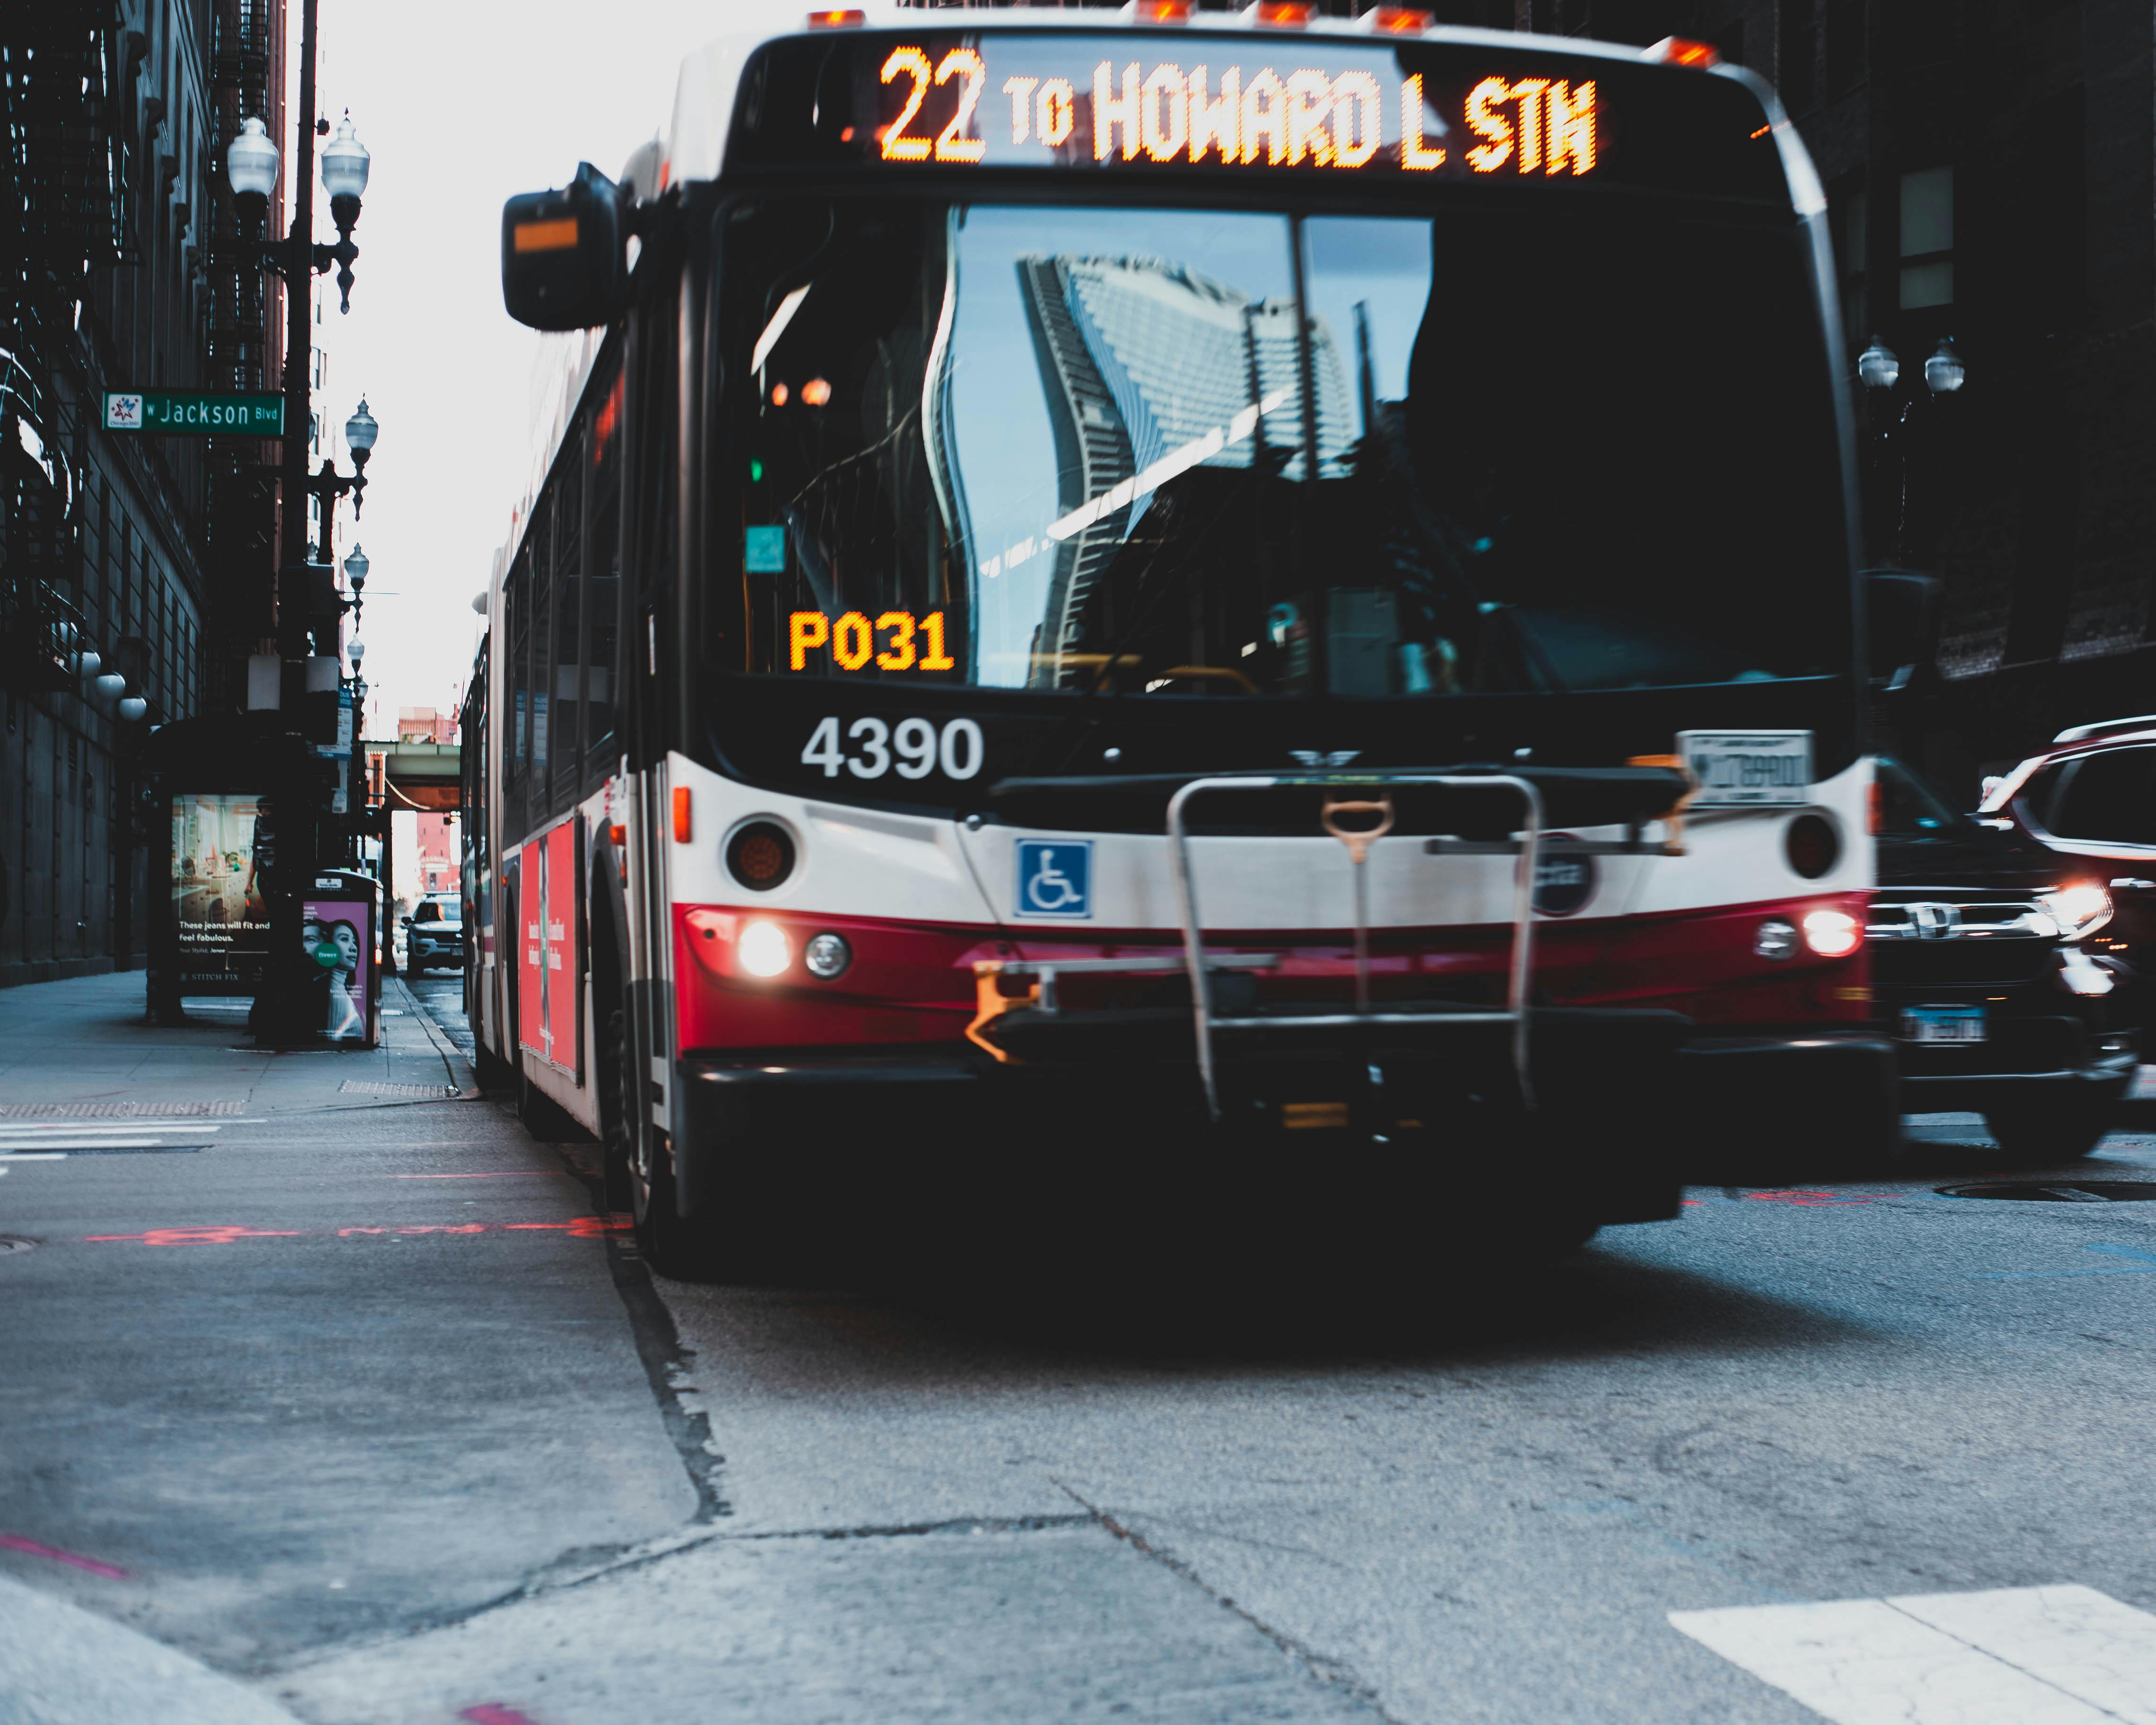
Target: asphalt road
504,1474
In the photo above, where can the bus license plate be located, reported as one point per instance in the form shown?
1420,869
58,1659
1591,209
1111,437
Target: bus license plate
1748,769
1943,1024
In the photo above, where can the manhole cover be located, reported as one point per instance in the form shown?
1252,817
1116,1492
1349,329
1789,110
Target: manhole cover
15,1243
2060,1191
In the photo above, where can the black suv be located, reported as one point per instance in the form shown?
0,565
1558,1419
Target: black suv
434,935
1981,970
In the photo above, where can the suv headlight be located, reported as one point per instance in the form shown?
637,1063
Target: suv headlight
2079,910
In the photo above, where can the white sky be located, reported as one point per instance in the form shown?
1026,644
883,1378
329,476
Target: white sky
462,103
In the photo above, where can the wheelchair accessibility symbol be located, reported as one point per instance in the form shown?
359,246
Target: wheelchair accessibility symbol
1056,877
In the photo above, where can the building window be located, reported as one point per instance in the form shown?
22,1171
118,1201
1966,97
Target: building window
1796,67
1927,270
1850,208
1844,44
2056,261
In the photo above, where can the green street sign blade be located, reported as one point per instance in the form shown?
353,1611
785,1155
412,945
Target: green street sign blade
194,413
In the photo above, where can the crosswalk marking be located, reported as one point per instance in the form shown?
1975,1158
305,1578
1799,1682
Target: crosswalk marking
2030,1655
28,1140
89,1137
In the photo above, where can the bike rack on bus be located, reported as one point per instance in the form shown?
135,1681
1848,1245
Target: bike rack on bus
1199,967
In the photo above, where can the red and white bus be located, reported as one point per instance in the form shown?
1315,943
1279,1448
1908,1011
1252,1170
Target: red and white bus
1246,574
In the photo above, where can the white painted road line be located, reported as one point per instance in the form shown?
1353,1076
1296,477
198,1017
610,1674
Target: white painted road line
26,1156
2031,1656
83,1128
86,1144
2086,1642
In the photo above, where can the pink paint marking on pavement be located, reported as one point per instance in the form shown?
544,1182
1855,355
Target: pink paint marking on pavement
220,1233
16,1542
494,1712
1801,1196
583,1228
511,1173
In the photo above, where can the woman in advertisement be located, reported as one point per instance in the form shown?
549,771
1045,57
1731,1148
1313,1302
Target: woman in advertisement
347,1016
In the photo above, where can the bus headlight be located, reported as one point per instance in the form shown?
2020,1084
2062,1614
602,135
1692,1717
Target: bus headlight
1833,934
763,950
827,956
2079,910
1776,940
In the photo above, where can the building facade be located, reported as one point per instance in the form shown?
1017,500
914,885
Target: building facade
434,867
134,569
1990,168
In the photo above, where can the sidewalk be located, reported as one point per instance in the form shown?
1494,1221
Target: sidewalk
82,1049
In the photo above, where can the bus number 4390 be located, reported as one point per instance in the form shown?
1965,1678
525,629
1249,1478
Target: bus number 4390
915,749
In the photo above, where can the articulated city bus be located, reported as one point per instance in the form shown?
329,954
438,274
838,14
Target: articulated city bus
1248,589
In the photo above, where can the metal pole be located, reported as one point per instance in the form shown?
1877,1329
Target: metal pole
299,350
281,1011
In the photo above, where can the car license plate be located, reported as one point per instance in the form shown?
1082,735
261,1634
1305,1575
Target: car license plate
1744,769
1943,1024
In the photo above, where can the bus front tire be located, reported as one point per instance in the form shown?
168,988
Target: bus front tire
670,1245
641,1169
617,1083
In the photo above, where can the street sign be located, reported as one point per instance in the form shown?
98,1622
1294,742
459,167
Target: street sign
193,413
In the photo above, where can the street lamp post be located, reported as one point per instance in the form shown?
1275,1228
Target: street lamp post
303,624
329,485
1894,416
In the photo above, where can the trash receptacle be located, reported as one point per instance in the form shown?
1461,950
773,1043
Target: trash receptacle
339,919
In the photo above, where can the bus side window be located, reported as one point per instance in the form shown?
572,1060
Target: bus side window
540,671
516,741
564,721
602,583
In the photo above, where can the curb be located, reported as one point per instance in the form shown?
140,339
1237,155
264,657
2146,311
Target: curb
460,1071
60,1665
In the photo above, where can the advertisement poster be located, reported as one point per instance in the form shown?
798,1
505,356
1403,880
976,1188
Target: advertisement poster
551,965
218,916
336,931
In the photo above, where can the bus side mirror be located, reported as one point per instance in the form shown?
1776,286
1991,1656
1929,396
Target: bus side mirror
1901,618
564,263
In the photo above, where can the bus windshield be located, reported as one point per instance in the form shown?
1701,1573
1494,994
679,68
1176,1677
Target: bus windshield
1219,453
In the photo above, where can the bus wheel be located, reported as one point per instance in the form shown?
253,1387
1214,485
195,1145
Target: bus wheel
670,1245
616,1085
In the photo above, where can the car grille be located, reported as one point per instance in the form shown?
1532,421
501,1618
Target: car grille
1931,917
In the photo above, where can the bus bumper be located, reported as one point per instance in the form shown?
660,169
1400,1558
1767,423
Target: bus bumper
1627,1115
1383,1118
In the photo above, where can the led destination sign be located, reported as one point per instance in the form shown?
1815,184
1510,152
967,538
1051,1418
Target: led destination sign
1250,104
1237,116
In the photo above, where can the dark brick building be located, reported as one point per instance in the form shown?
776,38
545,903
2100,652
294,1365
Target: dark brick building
119,269
1989,165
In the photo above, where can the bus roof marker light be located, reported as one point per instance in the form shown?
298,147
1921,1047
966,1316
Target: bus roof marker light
1280,14
848,18
1682,51
1398,21
1158,12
